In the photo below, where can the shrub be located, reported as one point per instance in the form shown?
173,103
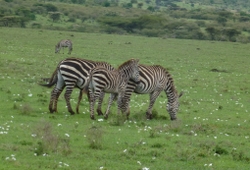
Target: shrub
36,25
127,5
151,32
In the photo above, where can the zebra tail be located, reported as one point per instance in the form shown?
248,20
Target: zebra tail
52,81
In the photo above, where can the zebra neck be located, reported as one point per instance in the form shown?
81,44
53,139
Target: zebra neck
125,74
171,92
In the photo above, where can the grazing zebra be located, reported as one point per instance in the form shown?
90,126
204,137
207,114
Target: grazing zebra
63,44
70,73
102,80
153,80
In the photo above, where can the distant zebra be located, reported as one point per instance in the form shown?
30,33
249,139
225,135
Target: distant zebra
153,80
102,80
63,44
72,72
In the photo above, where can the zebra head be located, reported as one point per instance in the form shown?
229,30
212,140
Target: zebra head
130,70
173,104
135,70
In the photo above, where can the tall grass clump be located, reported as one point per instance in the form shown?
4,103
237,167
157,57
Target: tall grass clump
118,120
26,109
95,137
48,141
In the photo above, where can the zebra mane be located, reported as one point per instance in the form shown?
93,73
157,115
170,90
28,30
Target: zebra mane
127,63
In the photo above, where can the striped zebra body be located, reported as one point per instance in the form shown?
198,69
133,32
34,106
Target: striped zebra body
153,80
102,80
70,73
64,44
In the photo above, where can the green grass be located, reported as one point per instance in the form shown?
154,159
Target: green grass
212,130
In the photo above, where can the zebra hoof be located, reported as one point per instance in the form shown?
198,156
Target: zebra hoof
92,117
72,113
51,111
99,112
173,118
106,116
149,116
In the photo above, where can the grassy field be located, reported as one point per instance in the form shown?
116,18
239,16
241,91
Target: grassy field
212,130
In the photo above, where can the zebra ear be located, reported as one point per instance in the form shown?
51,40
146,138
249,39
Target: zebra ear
137,60
181,93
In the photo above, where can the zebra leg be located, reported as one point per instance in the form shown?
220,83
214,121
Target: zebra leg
70,50
67,95
111,99
78,102
120,101
99,108
93,97
125,107
53,99
153,97
56,99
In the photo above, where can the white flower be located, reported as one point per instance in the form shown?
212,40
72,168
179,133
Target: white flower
66,164
59,124
139,162
100,120
66,134
125,150
145,168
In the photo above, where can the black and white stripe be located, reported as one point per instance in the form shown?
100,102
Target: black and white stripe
64,44
70,73
115,82
153,80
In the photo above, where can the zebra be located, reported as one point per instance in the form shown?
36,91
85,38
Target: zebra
153,80
63,44
115,81
70,73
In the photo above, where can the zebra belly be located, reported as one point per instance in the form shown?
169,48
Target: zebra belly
106,90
